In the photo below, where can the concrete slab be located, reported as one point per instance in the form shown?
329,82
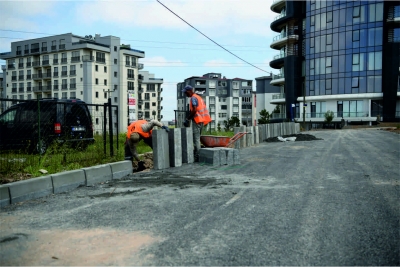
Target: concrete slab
236,157
160,150
175,147
229,155
256,135
187,145
121,169
4,196
30,189
69,180
237,143
209,156
97,174
222,157
243,139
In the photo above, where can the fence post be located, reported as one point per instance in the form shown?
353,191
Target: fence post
105,127
110,126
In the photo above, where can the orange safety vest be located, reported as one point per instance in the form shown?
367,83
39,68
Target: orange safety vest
202,114
136,127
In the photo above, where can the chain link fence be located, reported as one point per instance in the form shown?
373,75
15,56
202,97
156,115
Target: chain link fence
55,132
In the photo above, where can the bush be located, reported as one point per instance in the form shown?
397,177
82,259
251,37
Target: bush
329,116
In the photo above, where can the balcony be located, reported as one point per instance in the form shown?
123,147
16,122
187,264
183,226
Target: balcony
100,60
11,66
160,89
277,79
86,58
140,66
45,63
140,77
36,64
53,48
13,78
160,107
29,89
64,61
278,96
72,86
64,86
61,46
37,76
20,77
277,5
127,63
44,49
64,73
55,74
283,39
72,72
55,61
29,76
21,90
19,53
20,65
28,64
47,75
140,102
278,61
75,59
280,16
26,51
140,90
35,50
55,87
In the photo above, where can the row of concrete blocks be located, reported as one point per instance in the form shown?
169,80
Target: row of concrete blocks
62,182
258,134
176,147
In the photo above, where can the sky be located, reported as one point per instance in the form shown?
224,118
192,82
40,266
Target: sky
173,50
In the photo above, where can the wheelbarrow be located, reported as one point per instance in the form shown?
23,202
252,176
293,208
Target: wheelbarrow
221,141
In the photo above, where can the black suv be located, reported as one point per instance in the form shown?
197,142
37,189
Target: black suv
64,121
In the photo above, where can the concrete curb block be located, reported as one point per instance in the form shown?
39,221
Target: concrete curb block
121,169
4,196
66,181
97,174
31,189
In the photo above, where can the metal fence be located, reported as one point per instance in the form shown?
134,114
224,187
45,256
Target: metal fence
53,132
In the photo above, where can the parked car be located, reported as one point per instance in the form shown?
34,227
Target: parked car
63,121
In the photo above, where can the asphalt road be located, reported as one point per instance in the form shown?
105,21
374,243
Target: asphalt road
328,202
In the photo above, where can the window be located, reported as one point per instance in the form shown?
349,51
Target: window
97,94
72,70
96,67
147,105
115,87
64,71
131,74
375,60
115,48
211,84
105,95
146,96
329,16
72,83
63,57
131,86
101,57
97,81
105,69
64,95
224,107
153,104
356,12
64,84
329,39
115,61
356,35
105,81
235,85
72,95
115,74
354,82
75,56
115,99
153,94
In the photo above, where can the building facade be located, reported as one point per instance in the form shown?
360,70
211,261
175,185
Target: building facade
149,106
68,66
341,56
265,94
224,98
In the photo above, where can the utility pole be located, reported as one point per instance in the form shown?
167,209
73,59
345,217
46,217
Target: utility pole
110,122
304,107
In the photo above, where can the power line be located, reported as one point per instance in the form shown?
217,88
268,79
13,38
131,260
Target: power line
210,38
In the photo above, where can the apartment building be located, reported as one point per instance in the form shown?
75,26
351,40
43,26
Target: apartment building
1,90
265,94
224,98
341,56
68,66
149,103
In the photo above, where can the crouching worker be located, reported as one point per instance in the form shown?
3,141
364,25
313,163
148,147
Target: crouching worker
140,130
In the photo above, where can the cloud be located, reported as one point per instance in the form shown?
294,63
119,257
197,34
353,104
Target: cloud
159,61
215,17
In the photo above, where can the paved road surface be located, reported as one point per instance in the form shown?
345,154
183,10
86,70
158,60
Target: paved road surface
328,202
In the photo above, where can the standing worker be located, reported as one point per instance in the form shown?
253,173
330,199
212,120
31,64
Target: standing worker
138,130
199,115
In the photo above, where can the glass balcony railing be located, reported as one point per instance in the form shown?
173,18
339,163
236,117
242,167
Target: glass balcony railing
280,16
279,56
279,37
340,114
278,76
278,96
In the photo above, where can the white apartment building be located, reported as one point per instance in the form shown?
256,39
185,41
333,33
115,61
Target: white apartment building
68,66
149,103
224,98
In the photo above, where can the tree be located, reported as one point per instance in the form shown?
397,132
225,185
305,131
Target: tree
230,123
264,117
329,116
277,109
218,127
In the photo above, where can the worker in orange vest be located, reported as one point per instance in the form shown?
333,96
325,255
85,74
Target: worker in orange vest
199,115
140,130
